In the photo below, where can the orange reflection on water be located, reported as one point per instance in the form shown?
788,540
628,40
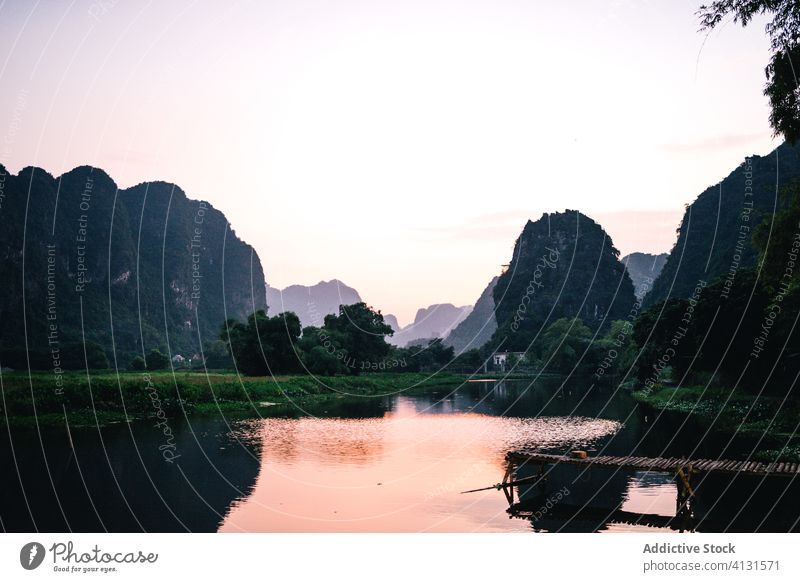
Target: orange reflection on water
402,472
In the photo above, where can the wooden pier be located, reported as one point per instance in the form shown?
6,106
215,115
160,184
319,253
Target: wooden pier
659,464
689,474
520,511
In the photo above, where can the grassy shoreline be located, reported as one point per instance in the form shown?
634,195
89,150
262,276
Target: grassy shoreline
104,398
733,412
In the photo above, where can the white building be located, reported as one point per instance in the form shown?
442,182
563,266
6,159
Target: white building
501,359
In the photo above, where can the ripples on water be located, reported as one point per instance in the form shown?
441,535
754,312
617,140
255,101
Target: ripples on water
334,440
400,472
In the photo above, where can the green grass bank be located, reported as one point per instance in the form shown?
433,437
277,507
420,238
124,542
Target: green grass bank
770,419
103,398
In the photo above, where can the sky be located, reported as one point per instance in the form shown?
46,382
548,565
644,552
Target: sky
399,146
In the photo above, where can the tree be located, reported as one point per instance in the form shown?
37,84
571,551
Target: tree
137,364
430,356
470,362
156,360
775,240
358,334
563,344
320,355
665,341
737,319
264,345
782,71
324,363
217,356
782,91
18,358
616,352
83,355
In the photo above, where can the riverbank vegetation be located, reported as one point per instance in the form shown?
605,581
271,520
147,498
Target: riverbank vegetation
772,421
101,398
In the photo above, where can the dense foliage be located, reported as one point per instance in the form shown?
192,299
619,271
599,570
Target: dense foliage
568,346
99,397
737,332
724,310
263,345
784,33
744,340
156,360
351,342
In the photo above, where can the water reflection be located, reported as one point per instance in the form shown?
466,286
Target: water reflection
116,479
382,464
402,471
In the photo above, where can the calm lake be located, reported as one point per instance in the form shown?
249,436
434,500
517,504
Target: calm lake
395,463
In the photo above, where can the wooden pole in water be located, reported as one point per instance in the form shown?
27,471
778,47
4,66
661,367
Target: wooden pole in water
500,486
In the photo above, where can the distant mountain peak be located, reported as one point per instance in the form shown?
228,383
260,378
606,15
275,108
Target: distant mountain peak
644,269
563,265
311,303
434,321
477,328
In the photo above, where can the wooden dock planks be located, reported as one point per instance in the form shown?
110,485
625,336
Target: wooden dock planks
659,464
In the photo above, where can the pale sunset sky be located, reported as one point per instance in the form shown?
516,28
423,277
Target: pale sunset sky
399,146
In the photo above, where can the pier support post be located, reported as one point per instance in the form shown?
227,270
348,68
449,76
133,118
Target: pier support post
508,490
685,501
